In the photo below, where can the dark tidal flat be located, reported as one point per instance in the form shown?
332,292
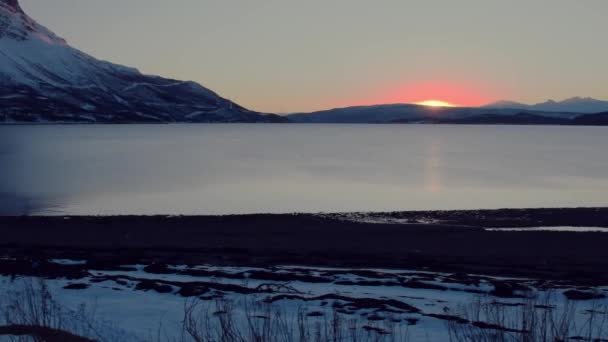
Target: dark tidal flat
455,242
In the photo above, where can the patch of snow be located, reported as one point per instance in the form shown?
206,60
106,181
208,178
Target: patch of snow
68,262
361,217
88,107
153,117
195,114
552,229
120,100
143,84
12,96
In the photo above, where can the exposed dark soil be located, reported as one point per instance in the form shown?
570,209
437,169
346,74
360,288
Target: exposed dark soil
41,333
583,295
77,286
458,245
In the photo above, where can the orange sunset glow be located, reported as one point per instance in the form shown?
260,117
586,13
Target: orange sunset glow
441,94
436,93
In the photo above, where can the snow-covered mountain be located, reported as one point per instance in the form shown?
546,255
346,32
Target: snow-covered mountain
43,79
572,105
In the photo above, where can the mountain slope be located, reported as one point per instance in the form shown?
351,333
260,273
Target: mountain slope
506,104
598,119
43,79
360,114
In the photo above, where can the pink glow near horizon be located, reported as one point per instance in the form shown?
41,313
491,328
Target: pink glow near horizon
459,94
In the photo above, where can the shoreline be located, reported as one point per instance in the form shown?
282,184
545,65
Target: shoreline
454,242
68,123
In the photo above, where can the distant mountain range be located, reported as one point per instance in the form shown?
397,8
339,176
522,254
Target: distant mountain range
574,105
43,79
409,112
568,112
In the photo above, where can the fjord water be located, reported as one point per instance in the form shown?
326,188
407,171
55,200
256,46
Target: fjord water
252,168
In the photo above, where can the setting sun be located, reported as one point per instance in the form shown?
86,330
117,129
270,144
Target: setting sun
435,103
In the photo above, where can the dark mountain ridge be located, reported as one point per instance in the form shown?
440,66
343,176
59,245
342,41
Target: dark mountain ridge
523,118
409,113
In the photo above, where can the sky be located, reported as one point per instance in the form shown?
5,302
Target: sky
286,56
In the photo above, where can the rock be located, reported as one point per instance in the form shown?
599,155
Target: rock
375,317
76,286
412,321
192,291
158,269
506,289
377,330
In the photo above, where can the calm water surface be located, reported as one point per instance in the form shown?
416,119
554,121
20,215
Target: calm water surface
213,169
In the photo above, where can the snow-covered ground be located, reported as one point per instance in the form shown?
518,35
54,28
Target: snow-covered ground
552,229
379,218
145,301
387,218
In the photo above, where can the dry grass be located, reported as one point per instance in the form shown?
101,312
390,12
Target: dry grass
226,321
31,313
533,320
